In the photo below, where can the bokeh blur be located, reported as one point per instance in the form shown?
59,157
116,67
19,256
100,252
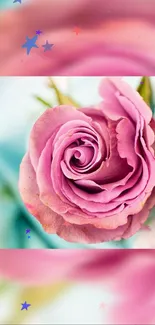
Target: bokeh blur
108,287
5,4
61,302
22,100
112,39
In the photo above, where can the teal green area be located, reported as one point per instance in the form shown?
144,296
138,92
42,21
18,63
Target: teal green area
4,4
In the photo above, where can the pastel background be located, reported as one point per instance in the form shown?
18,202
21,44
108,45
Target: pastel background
110,287
19,110
77,287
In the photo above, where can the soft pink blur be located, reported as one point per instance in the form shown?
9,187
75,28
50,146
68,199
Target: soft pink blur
40,266
129,274
115,38
136,288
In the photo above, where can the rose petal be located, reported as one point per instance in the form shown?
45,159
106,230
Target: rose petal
52,118
30,195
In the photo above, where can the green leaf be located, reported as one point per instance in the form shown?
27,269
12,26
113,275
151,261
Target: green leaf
61,98
145,90
6,192
43,101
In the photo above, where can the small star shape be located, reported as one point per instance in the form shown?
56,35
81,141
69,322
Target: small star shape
38,32
30,42
77,30
47,46
29,237
17,1
27,231
25,305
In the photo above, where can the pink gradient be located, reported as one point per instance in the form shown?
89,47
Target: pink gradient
40,266
129,275
115,39
136,290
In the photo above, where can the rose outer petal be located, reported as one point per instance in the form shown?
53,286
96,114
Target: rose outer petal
30,195
110,87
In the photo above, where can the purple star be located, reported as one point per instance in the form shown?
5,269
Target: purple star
27,231
30,42
47,46
38,32
25,305
17,1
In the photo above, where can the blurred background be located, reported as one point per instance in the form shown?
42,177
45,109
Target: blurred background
5,4
104,287
56,303
22,100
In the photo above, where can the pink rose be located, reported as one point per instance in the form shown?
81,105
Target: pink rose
89,174
115,39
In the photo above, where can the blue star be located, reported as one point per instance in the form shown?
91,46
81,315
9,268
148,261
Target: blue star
30,43
25,305
17,1
47,46
29,237
38,32
27,231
